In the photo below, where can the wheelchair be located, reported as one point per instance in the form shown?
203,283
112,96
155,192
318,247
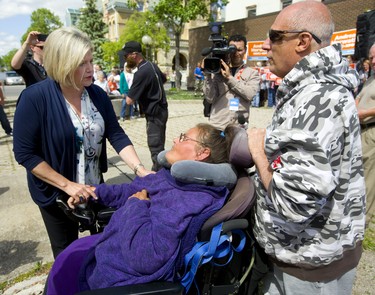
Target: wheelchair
229,273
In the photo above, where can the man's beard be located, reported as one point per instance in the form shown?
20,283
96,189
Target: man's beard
130,63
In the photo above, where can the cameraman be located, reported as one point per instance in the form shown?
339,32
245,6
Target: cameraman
231,91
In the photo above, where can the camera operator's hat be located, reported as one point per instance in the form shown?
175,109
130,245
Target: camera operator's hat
131,46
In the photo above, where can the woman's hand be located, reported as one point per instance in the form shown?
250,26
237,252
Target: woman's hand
142,195
142,171
79,193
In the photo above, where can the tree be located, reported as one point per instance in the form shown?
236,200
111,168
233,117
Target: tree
6,59
44,21
110,56
145,23
92,24
138,25
176,13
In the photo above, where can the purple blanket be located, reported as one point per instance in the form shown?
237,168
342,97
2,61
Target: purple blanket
145,240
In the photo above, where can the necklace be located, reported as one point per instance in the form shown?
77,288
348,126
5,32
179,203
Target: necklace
90,152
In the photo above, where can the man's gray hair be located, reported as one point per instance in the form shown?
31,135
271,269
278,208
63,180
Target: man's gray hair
320,25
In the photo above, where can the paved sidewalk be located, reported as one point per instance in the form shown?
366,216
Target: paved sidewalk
23,240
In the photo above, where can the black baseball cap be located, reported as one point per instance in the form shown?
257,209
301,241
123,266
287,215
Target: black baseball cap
131,46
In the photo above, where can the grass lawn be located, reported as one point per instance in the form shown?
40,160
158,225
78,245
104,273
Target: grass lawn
181,94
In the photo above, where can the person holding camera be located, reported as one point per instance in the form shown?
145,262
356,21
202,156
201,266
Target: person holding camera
231,91
30,66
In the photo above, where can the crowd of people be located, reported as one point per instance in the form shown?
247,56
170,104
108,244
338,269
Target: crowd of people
314,192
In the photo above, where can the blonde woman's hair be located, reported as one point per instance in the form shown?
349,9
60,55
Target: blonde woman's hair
64,51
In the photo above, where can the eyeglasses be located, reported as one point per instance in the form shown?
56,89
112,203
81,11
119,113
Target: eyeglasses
276,35
183,137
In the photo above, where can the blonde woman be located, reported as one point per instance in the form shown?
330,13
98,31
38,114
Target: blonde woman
60,130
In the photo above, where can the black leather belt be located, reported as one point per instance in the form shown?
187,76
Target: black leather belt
365,126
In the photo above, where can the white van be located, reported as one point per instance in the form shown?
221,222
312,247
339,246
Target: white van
12,78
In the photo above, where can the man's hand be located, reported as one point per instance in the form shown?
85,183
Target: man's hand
256,146
129,101
256,141
225,70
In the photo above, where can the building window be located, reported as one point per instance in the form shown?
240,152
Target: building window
251,11
285,3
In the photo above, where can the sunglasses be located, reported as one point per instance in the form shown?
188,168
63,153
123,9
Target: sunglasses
277,36
183,137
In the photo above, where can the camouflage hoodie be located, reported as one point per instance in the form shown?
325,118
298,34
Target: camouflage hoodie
313,210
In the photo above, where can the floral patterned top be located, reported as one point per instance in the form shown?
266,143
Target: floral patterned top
89,138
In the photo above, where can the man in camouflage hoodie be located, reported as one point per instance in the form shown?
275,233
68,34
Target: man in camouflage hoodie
310,211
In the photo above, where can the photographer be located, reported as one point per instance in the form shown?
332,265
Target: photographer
30,66
231,91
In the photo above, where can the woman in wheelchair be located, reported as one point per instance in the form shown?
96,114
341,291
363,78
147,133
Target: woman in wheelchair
156,222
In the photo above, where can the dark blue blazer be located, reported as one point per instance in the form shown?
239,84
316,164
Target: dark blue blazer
43,131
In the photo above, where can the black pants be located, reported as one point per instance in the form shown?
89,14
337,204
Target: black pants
4,121
156,127
61,230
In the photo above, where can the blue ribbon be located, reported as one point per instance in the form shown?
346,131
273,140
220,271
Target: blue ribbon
218,246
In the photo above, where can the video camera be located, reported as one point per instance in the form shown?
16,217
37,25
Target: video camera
219,50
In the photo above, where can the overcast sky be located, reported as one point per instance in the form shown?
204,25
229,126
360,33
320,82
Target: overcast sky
15,18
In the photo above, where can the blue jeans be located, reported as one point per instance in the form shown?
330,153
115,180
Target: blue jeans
271,97
124,106
4,121
279,282
256,100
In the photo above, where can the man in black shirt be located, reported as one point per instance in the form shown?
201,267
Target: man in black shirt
148,90
30,67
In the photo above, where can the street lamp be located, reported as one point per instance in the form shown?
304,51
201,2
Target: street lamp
147,41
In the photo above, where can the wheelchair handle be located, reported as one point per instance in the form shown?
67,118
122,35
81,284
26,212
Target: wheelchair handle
234,224
82,215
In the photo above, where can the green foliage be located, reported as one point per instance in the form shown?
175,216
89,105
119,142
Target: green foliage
110,56
43,21
1,63
6,59
92,24
145,23
175,94
175,13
